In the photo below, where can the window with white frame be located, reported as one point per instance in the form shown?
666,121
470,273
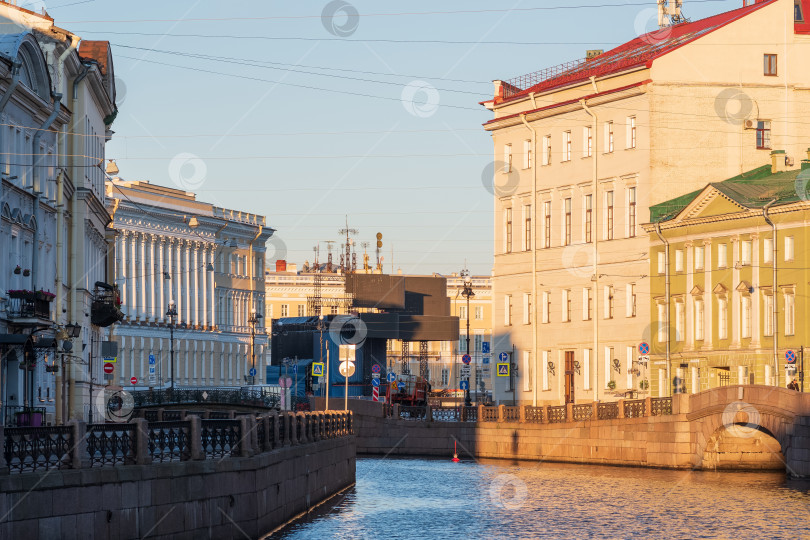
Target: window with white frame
507,230
479,313
285,310
699,319
609,215
587,141
662,323
789,248
630,310
507,158
609,138
679,260
547,150
631,212
586,369
462,341
745,316
445,376
527,154
746,248
680,320
527,308
546,307
547,224
588,225
767,250
566,305
662,262
609,302
631,132
568,221
767,313
527,227
544,369
478,340
507,310
462,313
699,257
566,146
722,256
587,303
790,312
301,310
722,318
526,371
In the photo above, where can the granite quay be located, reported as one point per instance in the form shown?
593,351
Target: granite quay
221,478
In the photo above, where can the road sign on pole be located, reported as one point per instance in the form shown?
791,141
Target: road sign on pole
503,369
375,393
375,383
108,368
464,385
151,359
252,372
134,380
375,368
503,357
485,347
790,357
466,359
317,369
392,376
644,348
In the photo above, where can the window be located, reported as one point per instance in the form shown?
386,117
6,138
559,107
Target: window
745,306
547,224
527,154
566,146
631,212
588,218
566,305
699,257
478,340
462,313
798,16
788,248
763,134
586,369
609,137
587,142
746,248
722,318
526,371
301,309
479,313
770,65
547,150
507,230
662,262
790,313
507,158
567,222
527,227
609,215
630,310
631,132
679,260
767,314
767,250
587,304
507,310
662,323
546,307
527,308
680,320
285,310
445,377
722,256
609,302
544,369
699,320
462,342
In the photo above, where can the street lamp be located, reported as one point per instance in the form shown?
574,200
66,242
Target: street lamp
172,315
467,292
253,320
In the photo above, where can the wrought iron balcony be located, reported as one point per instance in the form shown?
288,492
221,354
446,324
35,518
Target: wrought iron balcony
106,307
30,307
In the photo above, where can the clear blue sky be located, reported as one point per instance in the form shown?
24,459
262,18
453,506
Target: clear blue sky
302,147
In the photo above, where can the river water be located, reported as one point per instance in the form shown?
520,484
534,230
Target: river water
427,498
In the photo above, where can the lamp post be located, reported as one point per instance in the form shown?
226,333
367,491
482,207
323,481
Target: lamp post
171,313
467,292
253,320
72,331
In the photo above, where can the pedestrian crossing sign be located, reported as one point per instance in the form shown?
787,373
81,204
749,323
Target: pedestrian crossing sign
317,369
503,369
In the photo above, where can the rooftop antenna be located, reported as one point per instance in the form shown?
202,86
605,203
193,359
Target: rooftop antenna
669,13
329,255
365,246
347,231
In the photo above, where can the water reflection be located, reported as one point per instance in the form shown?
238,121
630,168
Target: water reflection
423,498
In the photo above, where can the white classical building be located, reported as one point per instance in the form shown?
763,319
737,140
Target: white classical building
207,262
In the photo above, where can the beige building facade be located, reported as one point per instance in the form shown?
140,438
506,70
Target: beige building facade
584,149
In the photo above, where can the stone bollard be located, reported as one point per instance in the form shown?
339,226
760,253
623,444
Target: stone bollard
522,414
428,413
142,456
569,412
620,404
301,422
245,448
545,414
292,428
396,411
480,417
647,406
501,412
79,458
254,435
195,438
595,412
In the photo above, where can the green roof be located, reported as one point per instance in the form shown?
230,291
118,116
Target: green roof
752,189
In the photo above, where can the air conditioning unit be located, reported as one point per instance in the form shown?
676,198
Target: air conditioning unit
750,124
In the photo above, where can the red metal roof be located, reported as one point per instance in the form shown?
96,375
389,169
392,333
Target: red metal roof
638,52
96,50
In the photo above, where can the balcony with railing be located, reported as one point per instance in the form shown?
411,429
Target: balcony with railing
29,307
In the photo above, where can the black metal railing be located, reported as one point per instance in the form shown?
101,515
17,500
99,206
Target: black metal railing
582,411
110,444
661,406
220,438
446,414
169,441
557,414
607,411
634,408
26,308
31,449
198,396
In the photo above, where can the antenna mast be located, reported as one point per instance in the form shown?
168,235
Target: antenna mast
346,262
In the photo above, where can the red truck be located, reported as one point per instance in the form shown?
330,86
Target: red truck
414,393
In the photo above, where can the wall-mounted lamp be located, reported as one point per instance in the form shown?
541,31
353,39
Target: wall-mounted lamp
617,365
577,367
551,367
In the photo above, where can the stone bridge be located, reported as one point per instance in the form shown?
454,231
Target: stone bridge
735,427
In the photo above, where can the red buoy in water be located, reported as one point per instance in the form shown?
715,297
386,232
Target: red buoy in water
455,452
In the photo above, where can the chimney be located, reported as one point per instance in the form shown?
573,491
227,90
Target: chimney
778,161
281,265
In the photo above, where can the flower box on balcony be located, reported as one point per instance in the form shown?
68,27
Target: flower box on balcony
22,293
45,295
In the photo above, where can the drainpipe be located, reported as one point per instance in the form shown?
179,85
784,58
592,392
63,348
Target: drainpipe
774,314
534,254
595,238
666,295
253,298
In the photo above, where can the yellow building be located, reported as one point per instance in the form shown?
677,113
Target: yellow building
287,294
585,148
717,318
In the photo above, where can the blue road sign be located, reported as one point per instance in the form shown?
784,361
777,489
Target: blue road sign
294,368
151,359
401,385
485,347
375,382
375,368
252,372
466,359
317,369
790,356
503,370
644,348
392,377
464,385
485,360
503,357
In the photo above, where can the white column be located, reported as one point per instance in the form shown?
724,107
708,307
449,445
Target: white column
736,312
161,282
133,276
756,328
212,289
194,279
194,361
708,297
149,240
186,282
119,368
142,277
186,351
122,271
204,284
689,300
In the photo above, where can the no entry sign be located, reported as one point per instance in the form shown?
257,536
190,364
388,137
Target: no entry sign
108,368
134,380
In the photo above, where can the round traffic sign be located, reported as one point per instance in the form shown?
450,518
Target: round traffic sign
790,356
375,382
466,358
392,376
252,372
375,368
108,367
285,381
134,380
503,357
401,385
342,368
644,348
